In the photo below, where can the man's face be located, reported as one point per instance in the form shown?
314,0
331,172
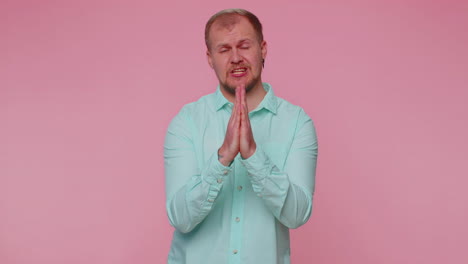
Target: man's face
236,54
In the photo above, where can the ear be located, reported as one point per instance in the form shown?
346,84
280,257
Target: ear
263,46
208,57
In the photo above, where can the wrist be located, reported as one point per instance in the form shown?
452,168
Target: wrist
223,159
250,152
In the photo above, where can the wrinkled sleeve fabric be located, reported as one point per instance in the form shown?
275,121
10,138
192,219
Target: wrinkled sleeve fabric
288,193
190,190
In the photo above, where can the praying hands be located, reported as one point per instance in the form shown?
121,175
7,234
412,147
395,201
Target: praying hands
239,136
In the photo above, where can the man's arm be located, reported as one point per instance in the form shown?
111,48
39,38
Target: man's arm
190,193
288,193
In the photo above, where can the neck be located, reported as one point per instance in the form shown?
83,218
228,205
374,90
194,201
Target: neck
254,96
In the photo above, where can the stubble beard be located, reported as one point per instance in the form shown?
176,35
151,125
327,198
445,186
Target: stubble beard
232,89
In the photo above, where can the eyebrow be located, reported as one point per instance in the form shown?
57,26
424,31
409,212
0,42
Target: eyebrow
239,42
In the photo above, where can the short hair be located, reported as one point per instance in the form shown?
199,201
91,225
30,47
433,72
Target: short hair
227,15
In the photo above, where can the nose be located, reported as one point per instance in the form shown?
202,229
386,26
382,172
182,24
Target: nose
236,58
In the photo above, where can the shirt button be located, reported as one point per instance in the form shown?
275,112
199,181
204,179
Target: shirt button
235,251
225,172
237,219
219,181
239,187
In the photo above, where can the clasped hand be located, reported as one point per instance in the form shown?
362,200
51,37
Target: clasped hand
239,137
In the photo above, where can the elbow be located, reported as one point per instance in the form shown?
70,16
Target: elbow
179,224
179,221
297,222
181,227
300,218
295,225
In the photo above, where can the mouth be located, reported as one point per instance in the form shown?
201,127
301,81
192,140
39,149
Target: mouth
239,72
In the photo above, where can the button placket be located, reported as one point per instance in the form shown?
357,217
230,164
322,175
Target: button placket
238,201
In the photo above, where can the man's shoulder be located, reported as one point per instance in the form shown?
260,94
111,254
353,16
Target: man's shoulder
204,103
292,113
285,107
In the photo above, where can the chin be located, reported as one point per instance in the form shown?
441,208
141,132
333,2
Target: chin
231,87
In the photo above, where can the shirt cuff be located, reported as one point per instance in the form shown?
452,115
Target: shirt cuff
258,165
215,171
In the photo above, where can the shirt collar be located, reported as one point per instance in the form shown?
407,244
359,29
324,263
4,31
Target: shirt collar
269,102
220,101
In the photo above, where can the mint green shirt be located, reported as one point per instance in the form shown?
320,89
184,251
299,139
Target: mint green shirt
241,213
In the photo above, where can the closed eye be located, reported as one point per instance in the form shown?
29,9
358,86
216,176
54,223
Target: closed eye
222,50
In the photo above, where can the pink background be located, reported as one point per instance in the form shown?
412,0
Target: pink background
87,89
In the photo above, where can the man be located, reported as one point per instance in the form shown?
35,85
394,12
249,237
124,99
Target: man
239,163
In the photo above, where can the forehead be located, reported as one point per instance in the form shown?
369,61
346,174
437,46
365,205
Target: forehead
231,28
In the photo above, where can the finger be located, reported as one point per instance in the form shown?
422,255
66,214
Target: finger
244,97
241,105
236,101
236,119
239,111
239,88
245,124
245,117
244,104
239,95
236,110
242,114
235,107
